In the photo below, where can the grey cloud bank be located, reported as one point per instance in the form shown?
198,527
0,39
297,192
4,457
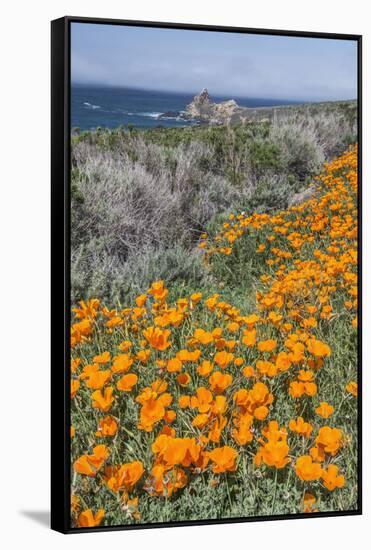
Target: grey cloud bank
246,65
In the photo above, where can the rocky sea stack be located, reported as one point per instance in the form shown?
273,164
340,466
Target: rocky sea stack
203,110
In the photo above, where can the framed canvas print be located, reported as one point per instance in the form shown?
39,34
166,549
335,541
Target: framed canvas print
206,213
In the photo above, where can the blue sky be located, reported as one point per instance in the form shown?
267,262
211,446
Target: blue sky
262,66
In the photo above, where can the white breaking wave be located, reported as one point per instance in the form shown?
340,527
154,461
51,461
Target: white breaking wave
144,114
91,106
171,118
151,115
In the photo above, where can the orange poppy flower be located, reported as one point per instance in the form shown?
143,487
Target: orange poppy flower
217,333
75,384
251,320
317,453
159,386
127,382
80,331
318,348
183,379
103,358
158,291
223,358
83,466
324,409
266,368
165,483
200,420
98,379
188,356
310,388
121,363
152,411
274,317
331,479
261,412
141,300
306,469
172,451
296,389
203,336
87,309
170,317
297,352
125,345
126,476
219,405
300,427
233,327
249,338
196,297
90,464
273,451
283,361
184,401
223,459
309,502
116,321
75,363
168,430
260,394
242,434
219,382
143,355
88,370
157,338
248,371
217,427
202,401
267,345
352,388
88,519
330,439
174,365
107,427
103,401
170,416
205,368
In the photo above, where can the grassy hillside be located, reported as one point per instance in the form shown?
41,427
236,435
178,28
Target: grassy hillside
141,199
238,402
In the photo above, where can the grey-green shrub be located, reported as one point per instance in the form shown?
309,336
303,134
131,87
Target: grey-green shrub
140,199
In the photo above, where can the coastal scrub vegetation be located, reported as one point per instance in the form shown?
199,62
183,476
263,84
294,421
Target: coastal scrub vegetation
142,198
214,321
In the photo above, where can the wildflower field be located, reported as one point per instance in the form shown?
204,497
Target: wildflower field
237,399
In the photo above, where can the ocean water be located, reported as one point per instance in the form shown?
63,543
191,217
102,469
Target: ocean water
93,106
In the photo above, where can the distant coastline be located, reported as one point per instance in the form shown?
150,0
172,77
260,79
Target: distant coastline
110,107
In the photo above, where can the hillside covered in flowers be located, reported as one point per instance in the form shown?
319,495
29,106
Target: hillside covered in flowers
235,399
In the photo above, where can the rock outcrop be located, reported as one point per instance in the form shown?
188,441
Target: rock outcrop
199,106
203,109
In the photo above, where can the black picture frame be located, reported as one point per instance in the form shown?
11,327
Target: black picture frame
60,268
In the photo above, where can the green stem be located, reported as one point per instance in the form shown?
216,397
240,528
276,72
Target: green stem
275,492
229,494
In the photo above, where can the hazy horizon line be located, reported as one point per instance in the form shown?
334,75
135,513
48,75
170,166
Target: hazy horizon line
196,92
